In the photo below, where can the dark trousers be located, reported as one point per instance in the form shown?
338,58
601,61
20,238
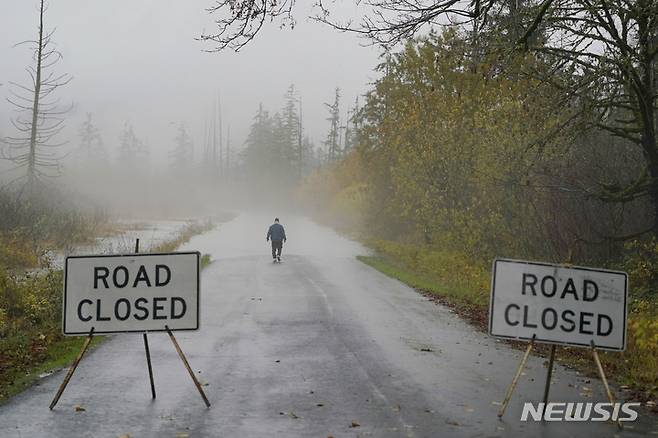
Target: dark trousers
276,248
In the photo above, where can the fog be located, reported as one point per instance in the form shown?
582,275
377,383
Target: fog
140,63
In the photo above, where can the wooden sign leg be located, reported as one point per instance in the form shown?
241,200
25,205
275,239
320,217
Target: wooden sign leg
148,362
611,399
187,366
74,365
510,390
146,344
549,375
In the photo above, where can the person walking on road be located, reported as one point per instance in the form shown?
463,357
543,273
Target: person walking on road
278,236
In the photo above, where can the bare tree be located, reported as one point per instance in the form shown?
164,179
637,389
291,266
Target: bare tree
39,114
241,20
602,53
386,22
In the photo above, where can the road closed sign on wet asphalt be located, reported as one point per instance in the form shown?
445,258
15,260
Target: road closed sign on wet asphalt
558,304
131,293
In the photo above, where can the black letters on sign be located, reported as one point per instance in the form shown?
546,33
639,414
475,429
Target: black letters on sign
126,314
526,323
568,319
115,276
84,318
570,288
167,272
175,300
101,273
599,328
158,307
548,291
139,305
529,280
142,276
507,318
595,290
584,322
98,312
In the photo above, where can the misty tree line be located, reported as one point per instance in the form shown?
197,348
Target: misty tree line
277,151
131,150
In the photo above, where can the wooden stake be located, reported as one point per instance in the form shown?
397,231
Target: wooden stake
549,374
510,390
146,344
148,363
611,399
74,365
187,366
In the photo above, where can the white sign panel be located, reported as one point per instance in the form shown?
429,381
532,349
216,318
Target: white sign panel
558,304
131,293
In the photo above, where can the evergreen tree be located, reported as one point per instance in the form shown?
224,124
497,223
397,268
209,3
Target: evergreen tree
91,142
131,148
332,143
291,130
182,155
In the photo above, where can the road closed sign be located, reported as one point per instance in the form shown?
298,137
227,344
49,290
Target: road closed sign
558,304
131,293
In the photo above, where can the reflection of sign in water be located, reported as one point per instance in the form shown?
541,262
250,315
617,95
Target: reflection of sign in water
558,304
131,293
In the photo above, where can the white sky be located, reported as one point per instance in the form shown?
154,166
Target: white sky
137,60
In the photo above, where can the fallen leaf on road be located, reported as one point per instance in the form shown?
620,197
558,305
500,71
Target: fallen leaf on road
125,436
355,424
182,435
79,408
452,423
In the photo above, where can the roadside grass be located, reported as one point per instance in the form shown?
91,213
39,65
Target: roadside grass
635,371
190,230
458,298
31,342
57,355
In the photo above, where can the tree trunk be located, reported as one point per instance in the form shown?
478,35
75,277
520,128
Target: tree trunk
32,157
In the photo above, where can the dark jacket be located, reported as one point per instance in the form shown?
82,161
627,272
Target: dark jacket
276,233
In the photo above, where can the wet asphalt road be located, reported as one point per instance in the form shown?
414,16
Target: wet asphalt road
319,345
